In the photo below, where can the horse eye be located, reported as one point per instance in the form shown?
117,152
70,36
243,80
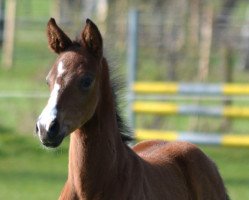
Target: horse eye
86,81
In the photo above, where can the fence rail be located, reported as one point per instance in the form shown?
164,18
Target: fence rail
161,108
143,102
229,139
190,88
23,94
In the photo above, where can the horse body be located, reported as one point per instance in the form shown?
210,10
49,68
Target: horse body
169,171
101,165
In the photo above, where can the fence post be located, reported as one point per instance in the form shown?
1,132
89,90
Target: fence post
9,33
1,21
132,61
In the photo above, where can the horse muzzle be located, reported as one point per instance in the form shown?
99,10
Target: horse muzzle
50,135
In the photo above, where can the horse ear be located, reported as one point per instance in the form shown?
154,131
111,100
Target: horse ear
92,38
58,41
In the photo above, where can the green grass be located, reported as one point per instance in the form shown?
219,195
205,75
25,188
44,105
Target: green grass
233,165
29,171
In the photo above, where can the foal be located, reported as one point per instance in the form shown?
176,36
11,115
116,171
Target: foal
101,165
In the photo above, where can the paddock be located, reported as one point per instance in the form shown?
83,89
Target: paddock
20,152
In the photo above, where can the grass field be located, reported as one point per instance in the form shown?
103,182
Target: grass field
28,171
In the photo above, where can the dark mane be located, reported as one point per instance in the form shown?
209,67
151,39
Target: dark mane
118,90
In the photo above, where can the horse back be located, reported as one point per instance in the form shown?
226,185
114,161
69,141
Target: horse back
183,168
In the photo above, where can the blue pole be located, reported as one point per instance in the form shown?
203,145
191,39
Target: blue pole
132,49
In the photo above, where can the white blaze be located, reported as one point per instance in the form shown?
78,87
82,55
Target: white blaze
49,112
60,69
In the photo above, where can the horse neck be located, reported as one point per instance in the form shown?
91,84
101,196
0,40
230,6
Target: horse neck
96,148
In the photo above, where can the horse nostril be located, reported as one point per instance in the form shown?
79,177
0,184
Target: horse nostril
53,129
36,129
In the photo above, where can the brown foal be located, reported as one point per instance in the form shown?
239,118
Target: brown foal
101,165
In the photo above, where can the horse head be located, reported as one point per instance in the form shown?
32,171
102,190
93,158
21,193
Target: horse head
73,81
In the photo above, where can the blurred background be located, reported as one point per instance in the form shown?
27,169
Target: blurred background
166,41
